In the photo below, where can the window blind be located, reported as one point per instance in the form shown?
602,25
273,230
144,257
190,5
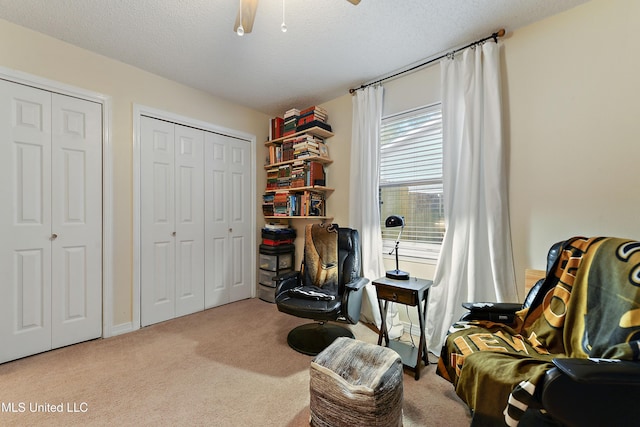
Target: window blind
411,174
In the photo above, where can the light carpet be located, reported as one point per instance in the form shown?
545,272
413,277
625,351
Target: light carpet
227,366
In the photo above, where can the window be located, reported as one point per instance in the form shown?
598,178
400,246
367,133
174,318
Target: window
411,180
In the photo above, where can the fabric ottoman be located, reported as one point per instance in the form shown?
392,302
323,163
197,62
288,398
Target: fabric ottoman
354,383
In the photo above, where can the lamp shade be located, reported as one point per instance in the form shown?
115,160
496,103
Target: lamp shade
394,221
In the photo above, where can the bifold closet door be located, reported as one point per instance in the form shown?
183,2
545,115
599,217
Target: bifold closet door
171,212
51,220
76,218
227,219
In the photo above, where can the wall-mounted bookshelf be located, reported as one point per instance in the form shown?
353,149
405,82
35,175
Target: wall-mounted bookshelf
295,167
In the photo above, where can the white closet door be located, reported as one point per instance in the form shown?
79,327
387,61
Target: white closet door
157,214
51,220
189,220
25,221
227,222
172,228
76,220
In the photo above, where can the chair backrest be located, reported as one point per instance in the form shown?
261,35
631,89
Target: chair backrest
349,264
552,256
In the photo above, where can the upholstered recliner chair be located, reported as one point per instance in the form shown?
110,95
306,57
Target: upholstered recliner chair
328,288
570,356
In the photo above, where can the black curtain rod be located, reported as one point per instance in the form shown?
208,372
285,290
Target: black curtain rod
494,36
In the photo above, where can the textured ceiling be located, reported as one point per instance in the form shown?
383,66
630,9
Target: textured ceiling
330,45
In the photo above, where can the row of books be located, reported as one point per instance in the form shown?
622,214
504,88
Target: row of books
299,147
278,178
307,203
295,120
295,175
290,121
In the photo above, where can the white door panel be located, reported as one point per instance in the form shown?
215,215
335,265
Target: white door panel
76,220
25,221
227,229
157,213
189,220
240,224
217,289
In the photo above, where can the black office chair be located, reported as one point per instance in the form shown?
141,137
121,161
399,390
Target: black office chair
339,299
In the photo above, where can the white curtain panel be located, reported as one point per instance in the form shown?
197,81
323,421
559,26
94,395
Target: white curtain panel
476,261
364,209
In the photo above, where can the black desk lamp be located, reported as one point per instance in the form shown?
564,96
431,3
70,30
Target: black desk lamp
396,221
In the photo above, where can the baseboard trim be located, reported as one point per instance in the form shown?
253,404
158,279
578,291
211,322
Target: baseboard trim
122,328
412,329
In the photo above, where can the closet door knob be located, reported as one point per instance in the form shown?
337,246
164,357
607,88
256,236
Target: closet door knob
54,236
173,234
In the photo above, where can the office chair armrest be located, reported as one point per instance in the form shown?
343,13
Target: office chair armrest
352,299
600,371
500,312
286,281
357,284
597,398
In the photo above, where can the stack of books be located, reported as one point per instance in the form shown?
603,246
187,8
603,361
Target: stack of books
298,174
312,114
313,117
281,204
284,176
272,179
306,146
299,147
267,204
278,235
290,121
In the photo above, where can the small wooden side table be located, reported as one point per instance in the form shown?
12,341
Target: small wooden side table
412,292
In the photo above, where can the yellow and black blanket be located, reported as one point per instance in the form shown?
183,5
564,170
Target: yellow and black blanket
589,306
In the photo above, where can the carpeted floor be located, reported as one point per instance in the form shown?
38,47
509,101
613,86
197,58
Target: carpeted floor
227,366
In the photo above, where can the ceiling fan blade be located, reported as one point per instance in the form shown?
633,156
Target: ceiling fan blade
355,2
248,15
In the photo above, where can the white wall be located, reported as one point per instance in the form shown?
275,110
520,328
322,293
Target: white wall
571,91
31,52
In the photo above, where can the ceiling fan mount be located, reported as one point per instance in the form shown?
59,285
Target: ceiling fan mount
247,14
